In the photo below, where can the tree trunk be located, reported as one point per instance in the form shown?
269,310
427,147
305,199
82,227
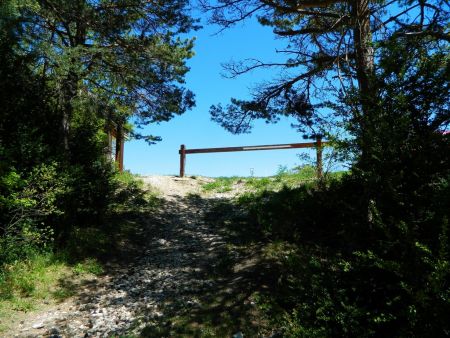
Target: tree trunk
364,55
119,146
70,87
363,50
71,84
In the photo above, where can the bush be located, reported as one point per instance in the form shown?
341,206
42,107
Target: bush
27,201
359,268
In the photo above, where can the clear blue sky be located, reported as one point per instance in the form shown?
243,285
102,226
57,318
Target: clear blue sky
195,128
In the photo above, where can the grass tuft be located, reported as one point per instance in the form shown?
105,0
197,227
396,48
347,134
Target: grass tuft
88,266
221,184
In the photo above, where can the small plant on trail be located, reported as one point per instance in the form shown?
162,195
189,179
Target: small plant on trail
221,184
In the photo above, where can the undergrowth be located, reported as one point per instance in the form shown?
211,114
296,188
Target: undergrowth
40,280
47,272
340,273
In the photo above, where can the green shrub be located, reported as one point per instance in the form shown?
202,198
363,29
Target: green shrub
359,268
89,265
27,201
221,184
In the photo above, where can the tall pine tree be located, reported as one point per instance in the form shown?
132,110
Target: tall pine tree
331,47
124,57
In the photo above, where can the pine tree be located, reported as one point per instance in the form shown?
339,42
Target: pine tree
125,57
331,46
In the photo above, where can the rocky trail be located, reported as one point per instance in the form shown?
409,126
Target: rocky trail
183,282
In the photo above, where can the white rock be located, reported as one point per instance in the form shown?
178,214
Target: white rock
162,241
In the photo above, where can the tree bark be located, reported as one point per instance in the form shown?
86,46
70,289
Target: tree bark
364,53
69,93
119,146
71,84
364,59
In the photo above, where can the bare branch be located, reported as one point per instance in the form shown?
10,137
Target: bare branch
305,31
435,34
300,5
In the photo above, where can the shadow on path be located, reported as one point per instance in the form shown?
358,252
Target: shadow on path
184,277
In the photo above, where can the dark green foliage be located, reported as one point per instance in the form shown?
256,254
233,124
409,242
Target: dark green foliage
371,253
351,276
124,59
26,204
68,70
28,187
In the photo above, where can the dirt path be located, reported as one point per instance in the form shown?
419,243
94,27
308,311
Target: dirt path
182,283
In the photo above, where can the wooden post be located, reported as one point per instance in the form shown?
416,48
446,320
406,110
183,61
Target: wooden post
120,140
182,159
318,145
319,157
122,146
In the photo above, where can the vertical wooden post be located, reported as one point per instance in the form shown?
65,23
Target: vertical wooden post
182,159
120,140
122,146
319,157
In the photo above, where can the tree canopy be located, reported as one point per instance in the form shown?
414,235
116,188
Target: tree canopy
126,58
332,47
68,70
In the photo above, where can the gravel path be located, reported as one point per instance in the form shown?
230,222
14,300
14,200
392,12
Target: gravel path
167,276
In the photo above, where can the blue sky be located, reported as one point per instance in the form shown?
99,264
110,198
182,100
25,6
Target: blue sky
195,128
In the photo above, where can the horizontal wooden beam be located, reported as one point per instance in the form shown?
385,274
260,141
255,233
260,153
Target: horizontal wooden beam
252,148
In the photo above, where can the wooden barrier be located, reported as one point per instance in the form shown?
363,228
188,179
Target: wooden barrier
318,145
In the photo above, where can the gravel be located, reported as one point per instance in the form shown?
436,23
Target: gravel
167,273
